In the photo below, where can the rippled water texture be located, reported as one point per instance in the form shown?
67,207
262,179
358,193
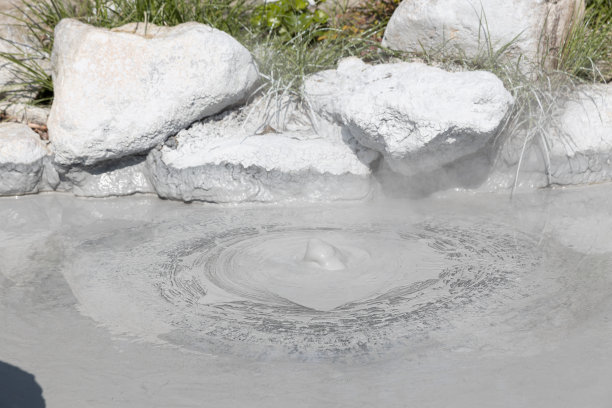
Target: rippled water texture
401,297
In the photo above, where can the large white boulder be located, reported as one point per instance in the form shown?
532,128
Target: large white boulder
419,117
576,149
21,159
118,93
469,27
212,163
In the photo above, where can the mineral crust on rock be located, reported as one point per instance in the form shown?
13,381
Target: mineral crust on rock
239,167
470,28
118,94
419,117
21,159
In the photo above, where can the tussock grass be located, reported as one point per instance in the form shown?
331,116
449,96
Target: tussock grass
285,65
587,51
31,64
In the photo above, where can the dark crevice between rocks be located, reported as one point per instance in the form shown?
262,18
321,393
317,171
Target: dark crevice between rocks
108,165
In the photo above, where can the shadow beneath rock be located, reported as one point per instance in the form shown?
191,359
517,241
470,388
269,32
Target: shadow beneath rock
19,389
469,173
124,176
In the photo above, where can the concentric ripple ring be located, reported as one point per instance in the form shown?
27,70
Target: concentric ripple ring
247,288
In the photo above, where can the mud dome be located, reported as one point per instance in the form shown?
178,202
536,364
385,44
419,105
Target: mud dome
131,294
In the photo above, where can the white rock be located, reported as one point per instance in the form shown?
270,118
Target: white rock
468,27
419,117
579,146
21,159
260,168
119,94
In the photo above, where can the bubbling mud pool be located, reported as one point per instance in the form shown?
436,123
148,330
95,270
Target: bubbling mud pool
248,287
348,285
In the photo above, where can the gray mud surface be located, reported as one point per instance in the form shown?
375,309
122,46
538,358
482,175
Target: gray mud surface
460,300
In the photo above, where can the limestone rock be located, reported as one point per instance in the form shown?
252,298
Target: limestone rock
21,159
118,94
579,146
257,168
468,27
419,117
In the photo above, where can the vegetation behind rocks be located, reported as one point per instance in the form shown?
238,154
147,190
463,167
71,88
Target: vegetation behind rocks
292,39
